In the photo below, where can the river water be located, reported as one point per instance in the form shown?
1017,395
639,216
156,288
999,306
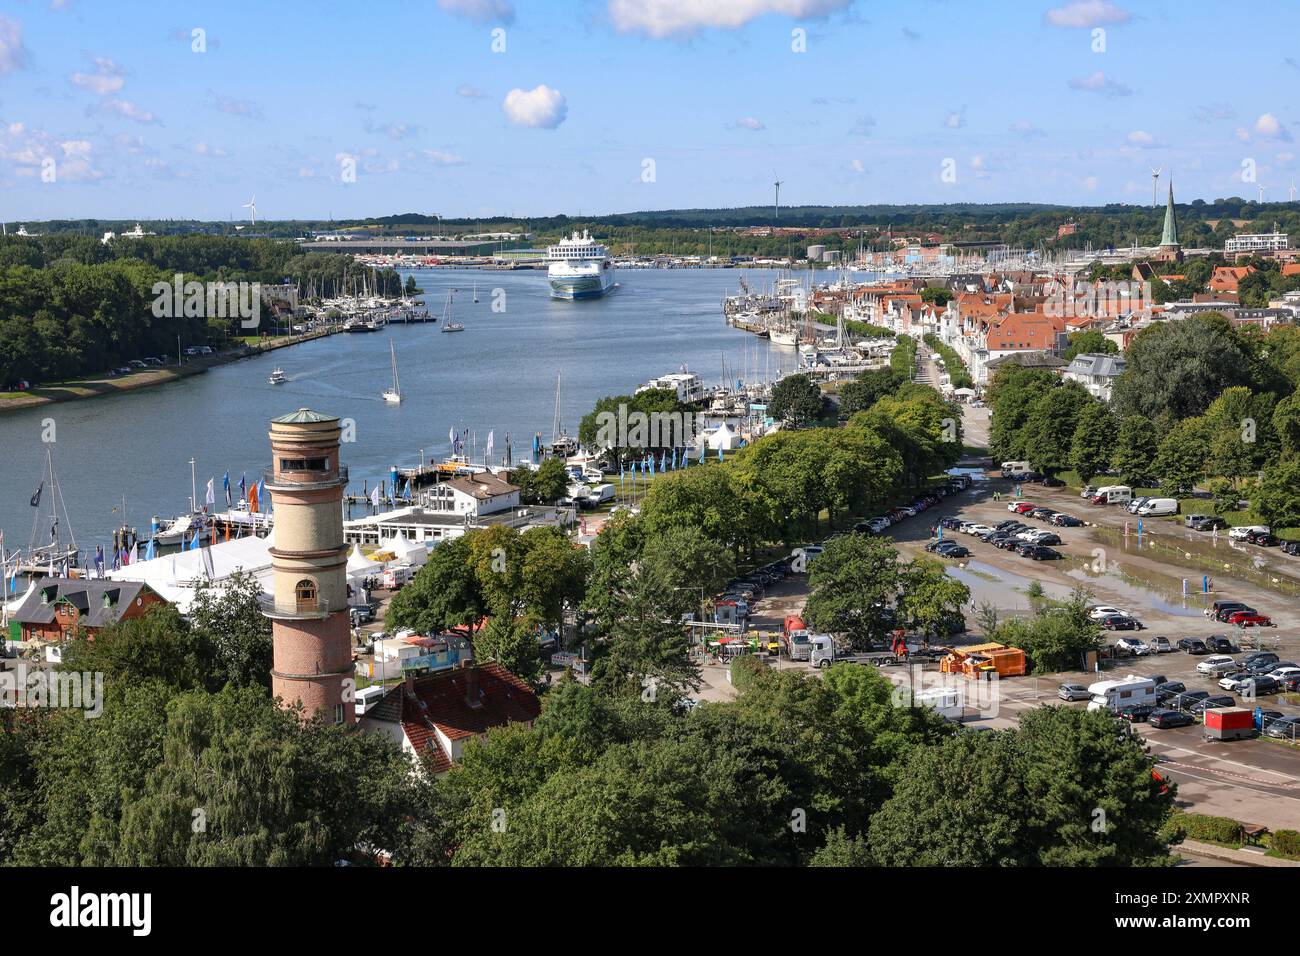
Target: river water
498,375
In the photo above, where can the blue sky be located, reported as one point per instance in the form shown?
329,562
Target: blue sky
290,96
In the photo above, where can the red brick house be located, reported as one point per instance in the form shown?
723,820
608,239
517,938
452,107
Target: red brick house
56,608
432,716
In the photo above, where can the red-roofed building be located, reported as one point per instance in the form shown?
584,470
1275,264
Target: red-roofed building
1226,278
432,716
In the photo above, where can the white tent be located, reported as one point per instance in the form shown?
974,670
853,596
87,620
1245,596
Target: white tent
405,550
174,576
722,437
359,565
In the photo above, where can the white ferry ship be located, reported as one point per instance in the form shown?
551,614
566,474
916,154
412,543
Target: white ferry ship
580,268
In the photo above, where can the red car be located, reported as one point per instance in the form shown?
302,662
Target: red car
1022,508
1250,619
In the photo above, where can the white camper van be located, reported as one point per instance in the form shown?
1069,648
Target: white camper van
1115,695
1012,468
1158,507
1113,495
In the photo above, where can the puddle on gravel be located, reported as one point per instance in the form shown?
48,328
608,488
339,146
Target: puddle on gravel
1201,557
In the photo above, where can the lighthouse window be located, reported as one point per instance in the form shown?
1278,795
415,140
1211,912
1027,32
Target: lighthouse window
304,464
305,591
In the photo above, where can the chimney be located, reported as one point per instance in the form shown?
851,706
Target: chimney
473,696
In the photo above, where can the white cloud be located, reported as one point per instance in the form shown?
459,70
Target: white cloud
480,11
24,150
107,78
956,119
470,92
1269,127
439,158
233,106
13,54
857,166
1087,13
665,18
1099,82
748,122
127,109
1025,128
1242,134
1142,139
541,107
203,149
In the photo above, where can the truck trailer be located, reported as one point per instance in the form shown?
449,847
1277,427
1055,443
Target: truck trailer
1229,723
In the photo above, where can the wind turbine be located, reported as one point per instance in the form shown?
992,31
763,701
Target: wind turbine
1293,190
1261,194
776,203
1155,178
251,206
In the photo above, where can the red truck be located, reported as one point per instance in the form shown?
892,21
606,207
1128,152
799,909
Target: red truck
794,638
1229,723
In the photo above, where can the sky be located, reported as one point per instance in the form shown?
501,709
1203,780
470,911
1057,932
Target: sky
188,110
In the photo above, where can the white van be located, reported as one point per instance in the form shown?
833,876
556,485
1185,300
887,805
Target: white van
398,577
601,493
1113,495
1011,468
367,697
1159,507
1115,695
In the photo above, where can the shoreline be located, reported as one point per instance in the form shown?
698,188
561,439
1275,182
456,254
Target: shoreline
147,378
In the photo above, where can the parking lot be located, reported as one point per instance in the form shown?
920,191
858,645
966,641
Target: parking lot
1255,780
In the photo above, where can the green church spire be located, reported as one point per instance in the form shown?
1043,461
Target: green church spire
1170,236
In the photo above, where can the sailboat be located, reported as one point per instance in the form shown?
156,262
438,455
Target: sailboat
476,291
562,444
393,395
447,324
53,556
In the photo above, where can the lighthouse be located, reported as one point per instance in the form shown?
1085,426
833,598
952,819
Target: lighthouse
312,661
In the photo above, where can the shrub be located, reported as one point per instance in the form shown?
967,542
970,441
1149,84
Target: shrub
1208,829
745,670
1286,843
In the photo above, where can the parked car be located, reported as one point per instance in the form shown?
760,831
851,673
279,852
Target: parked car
956,551
1170,688
1209,703
1137,646
1229,680
1009,543
1120,622
977,529
1220,644
1193,645
1217,664
1250,619
1185,700
1253,685
1042,514
1204,522
1291,547
1066,521
1137,713
1161,645
1290,683
1073,692
1038,552
1088,491
1284,728
1240,532
1104,610
1052,482
1048,538
1021,507
1262,538
1165,719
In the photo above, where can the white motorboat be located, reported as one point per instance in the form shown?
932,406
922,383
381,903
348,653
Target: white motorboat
277,377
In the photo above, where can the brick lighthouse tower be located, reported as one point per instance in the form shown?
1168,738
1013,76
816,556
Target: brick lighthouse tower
309,611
